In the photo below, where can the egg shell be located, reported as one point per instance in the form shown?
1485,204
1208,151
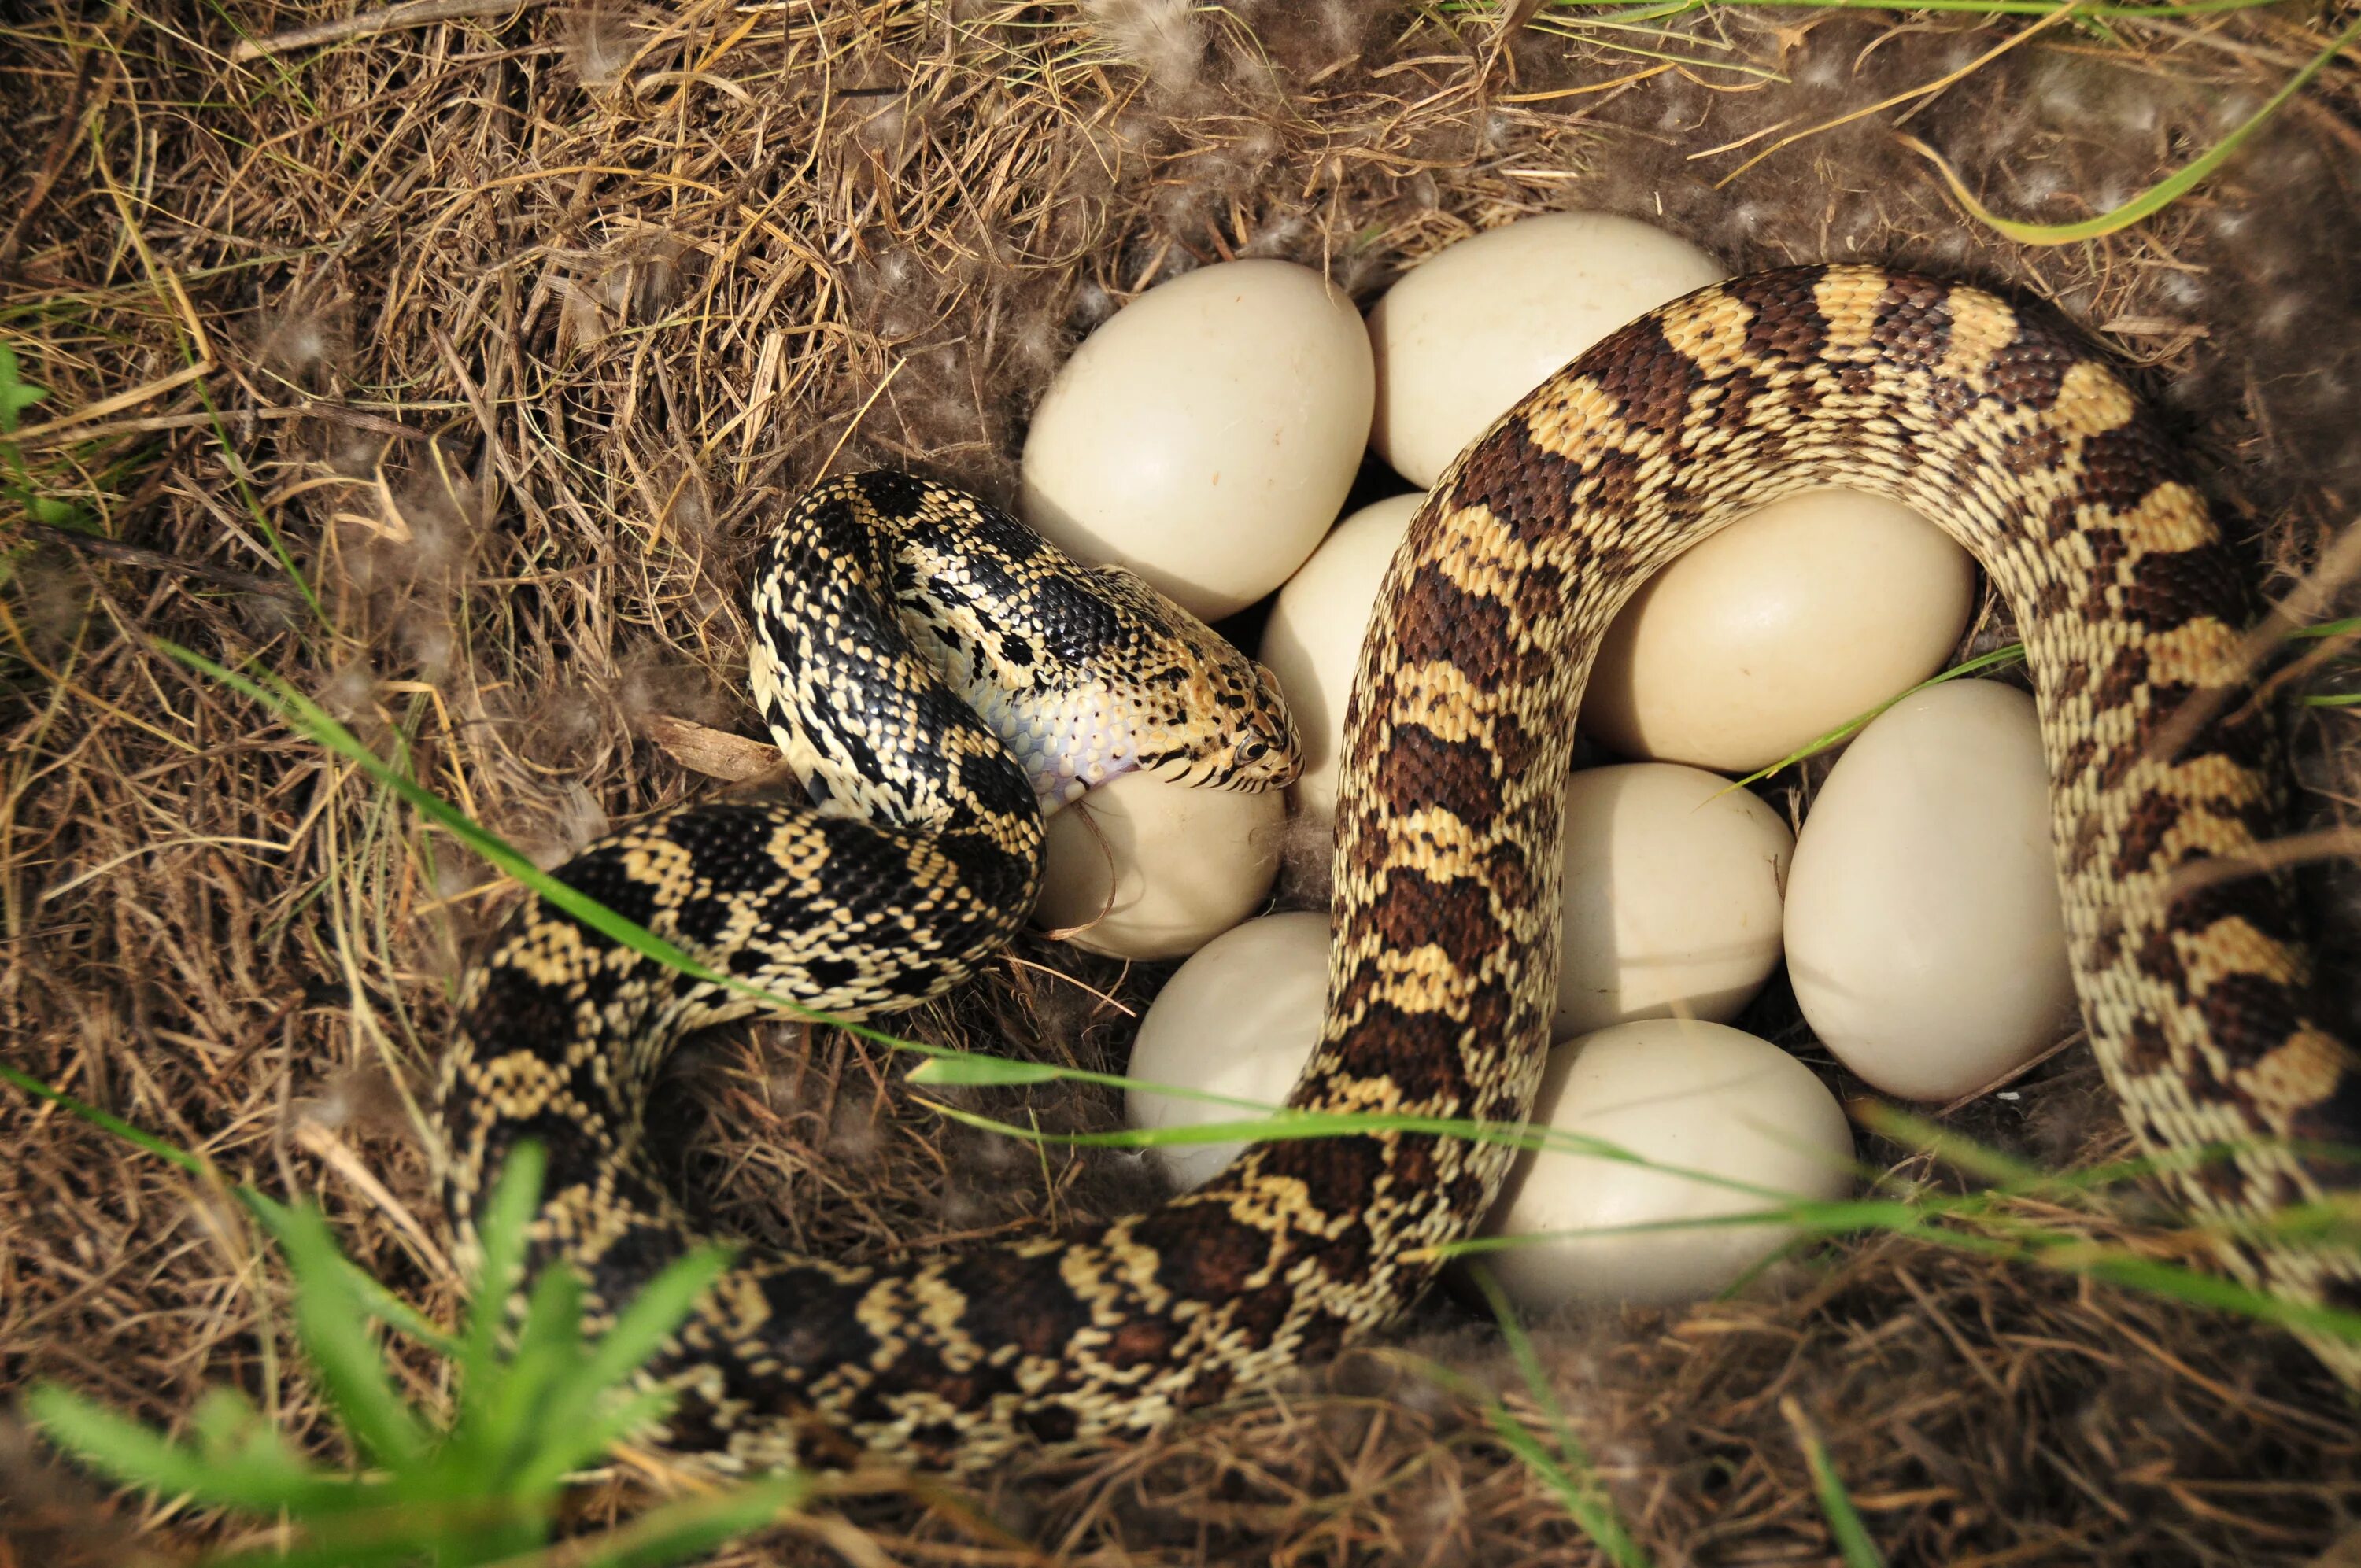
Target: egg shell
1150,868
1478,325
1206,434
1311,644
1785,625
1240,1018
1702,1098
1925,935
1671,896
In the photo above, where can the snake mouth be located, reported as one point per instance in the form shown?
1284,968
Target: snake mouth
1174,767
1231,770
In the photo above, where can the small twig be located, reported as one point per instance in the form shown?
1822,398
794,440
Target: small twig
42,435
2260,860
392,19
70,430
2073,1037
1078,983
2339,564
157,561
715,753
339,1155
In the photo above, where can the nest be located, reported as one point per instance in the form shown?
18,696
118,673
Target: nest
508,326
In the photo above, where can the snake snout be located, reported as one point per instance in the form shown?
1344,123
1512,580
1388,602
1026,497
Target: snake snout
1260,752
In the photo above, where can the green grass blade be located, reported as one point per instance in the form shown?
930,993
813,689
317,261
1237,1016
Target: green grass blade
16,394
374,1298
1580,1501
660,1307
2156,197
1530,1450
2009,654
196,1165
1288,1123
1954,1149
501,1236
511,1412
303,713
382,1303
244,1454
116,1445
445,1532
2212,1292
976,1067
1568,1473
136,1455
2006,654
334,1329
586,1440
1852,1537
257,512
577,1428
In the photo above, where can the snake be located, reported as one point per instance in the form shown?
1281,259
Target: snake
879,598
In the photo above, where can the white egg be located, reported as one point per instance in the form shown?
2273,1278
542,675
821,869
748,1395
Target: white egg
1146,869
1925,937
1476,326
1205,435
1311,644
1240,1018
1780,628
1709,1112
1671,897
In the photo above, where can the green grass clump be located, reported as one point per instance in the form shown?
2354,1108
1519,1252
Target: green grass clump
537,1400
16,482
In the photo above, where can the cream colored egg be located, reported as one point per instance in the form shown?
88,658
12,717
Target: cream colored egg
1146,868
1671,897
1312,643
1708,1111
1476,326
1777,630
1206,434
1925,938
1239,1019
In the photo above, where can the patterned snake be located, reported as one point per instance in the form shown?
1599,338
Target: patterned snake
922,856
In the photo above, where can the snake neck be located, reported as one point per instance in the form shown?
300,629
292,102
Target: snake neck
562,1029
910,637
869,726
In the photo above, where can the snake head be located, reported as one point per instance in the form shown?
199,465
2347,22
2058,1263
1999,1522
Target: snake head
1192,708
1257,748
1086,674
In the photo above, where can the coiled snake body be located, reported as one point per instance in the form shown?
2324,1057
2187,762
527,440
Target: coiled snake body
1995,420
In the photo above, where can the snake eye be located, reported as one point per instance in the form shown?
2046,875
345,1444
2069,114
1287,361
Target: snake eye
1252,752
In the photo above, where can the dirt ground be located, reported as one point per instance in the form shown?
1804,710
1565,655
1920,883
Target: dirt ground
505,332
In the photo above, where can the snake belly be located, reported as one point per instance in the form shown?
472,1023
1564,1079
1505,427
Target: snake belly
1994,420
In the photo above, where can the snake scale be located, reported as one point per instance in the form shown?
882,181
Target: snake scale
1994,419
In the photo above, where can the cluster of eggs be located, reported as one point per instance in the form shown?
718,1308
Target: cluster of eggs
1207,435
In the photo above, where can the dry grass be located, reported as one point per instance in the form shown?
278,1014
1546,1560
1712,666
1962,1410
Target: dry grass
514,328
